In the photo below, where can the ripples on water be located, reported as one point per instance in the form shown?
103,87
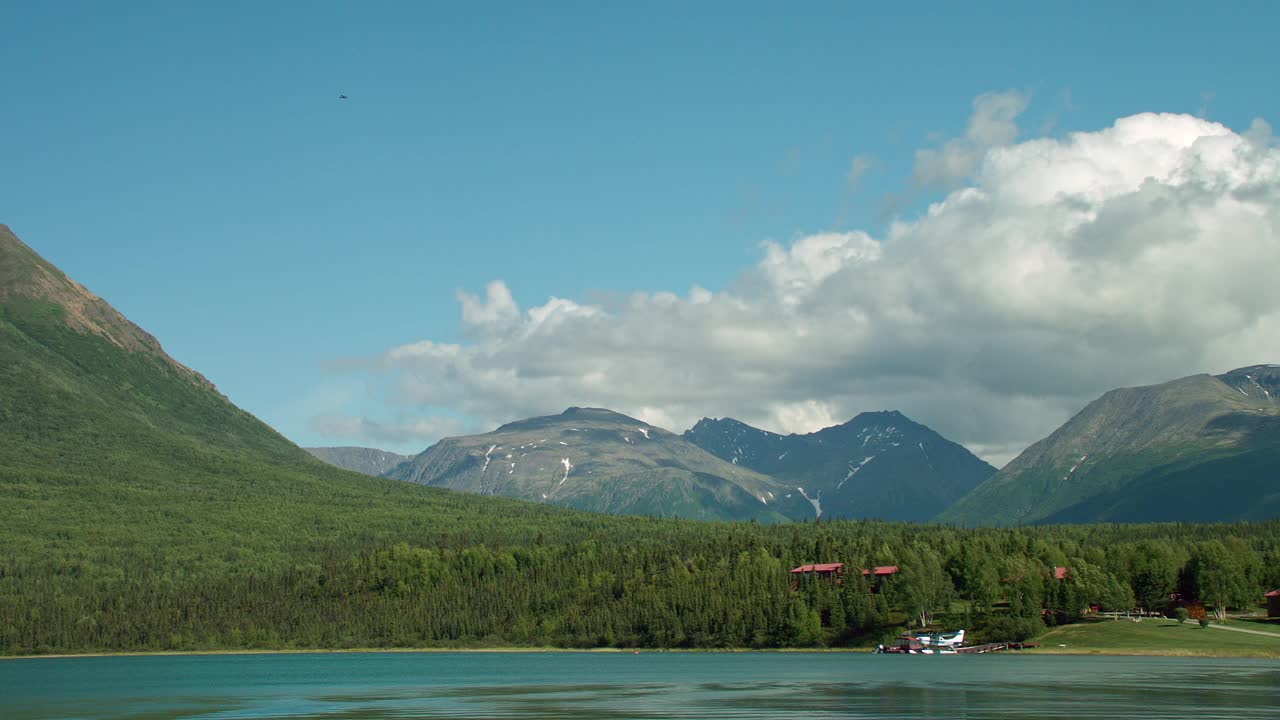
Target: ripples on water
651,685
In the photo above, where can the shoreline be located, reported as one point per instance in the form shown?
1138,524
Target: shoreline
511,650
1081,651
1133,652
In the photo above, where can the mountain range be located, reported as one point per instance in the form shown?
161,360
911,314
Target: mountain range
1203,448
103,434
599,460
878,465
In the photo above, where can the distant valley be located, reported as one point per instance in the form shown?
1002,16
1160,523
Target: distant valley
369,461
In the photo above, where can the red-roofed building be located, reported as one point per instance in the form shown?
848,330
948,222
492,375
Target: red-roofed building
832,572
1273,603
1060,573
821,569
877,575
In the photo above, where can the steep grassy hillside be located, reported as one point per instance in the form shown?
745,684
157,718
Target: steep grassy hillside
1202,448
114,456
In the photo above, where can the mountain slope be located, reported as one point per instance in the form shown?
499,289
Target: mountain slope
369,461
116,459
1201,448
877,465
599,460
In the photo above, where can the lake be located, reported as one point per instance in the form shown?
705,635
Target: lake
351,686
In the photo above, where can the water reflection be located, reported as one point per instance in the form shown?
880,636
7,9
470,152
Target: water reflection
351,687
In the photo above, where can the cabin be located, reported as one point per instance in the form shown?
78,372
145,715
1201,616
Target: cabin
878,574
1060,573
831,572
834,573
1273,603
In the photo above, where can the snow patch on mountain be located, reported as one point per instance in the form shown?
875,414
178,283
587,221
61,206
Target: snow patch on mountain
816,501
854,470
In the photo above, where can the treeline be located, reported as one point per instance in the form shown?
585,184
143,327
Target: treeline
637,582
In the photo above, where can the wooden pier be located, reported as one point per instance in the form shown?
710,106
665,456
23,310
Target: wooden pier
995,647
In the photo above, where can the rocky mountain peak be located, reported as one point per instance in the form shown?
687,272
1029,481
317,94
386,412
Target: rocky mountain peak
594,413
879,464
1255,382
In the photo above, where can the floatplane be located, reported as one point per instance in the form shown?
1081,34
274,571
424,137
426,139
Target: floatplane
925,644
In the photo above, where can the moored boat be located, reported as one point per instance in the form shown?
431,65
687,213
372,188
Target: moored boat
925,644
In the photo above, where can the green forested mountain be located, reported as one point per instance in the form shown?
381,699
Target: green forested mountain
603,461
1203,449
878,465
369,461
116,459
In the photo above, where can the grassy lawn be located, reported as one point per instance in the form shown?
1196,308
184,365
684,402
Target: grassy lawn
1155,637
1257,623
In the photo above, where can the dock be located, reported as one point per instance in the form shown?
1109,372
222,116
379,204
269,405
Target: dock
995,647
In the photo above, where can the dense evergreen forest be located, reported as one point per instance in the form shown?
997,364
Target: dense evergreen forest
574,580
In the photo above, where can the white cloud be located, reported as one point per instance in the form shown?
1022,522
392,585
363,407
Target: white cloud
794,272
497,312
805,416
1064,267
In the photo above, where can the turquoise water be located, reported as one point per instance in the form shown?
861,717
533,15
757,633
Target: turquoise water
623,685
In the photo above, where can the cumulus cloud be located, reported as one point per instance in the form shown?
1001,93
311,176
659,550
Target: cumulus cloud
495,313
1064,267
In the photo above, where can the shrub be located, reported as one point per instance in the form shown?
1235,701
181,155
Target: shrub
1204,622
1180,614
1011,629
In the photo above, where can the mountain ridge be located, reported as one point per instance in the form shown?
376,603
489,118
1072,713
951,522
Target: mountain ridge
1144,440
600,460
25,275
368,461
879,464
114,458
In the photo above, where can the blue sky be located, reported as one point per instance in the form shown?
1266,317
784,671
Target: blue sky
192,164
